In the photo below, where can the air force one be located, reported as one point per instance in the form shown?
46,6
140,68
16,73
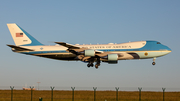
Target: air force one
110,53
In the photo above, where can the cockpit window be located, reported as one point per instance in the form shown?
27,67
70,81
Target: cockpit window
158,43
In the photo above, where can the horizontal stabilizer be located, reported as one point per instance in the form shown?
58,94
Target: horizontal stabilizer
18,48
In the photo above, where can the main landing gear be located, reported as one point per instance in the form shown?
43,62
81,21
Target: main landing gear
97,65
153,63
90,64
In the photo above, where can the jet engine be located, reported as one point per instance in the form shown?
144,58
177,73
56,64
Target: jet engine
89,52
111,58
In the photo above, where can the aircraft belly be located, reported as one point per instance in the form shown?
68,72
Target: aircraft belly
126,57
60,56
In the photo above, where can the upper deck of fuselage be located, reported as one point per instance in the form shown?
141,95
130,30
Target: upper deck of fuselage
155,46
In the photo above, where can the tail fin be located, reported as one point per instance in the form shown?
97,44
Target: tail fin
21,37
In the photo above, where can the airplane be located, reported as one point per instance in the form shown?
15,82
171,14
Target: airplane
109,53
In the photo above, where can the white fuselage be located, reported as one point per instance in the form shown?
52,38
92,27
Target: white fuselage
59,52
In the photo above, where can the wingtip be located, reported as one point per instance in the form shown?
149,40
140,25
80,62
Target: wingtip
8,45
59,42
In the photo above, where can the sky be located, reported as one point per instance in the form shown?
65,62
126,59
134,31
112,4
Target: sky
85,22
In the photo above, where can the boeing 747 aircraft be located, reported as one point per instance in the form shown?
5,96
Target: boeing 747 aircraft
110,53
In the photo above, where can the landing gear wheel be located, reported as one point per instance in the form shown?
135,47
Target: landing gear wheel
88,65
153,63
96,66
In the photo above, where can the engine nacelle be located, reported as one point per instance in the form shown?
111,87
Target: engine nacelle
89,52
112,58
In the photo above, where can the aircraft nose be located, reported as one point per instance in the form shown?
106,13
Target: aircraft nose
168,49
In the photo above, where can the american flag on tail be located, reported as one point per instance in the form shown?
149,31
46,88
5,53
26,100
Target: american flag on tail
19,34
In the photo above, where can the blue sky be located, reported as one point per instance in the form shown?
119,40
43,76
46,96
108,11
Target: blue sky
85,22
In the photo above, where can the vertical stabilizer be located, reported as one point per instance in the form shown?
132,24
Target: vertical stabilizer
21,37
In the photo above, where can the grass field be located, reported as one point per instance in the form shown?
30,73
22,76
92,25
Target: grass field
23,95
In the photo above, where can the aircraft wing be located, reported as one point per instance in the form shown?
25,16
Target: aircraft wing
69,46
91,55
101,54
74,48
18,48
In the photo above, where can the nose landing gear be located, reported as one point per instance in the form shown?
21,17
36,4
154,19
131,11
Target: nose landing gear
153,63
